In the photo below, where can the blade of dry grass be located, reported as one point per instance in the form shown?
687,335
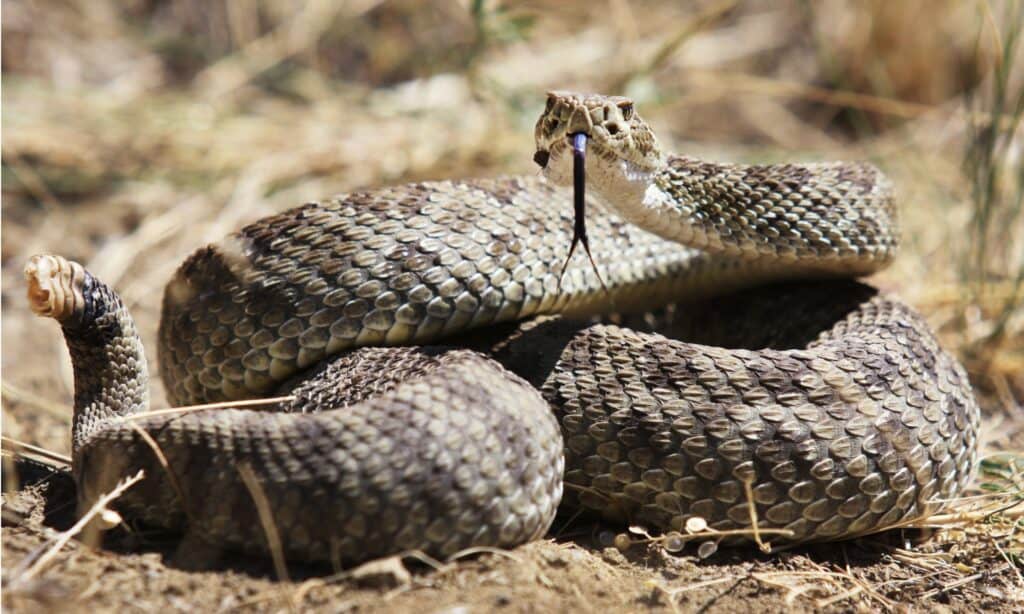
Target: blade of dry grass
259,497
205,406
22,447
99,507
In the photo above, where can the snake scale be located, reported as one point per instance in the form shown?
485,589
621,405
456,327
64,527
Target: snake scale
444,383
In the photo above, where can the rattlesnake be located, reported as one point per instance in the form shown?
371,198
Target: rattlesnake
848,419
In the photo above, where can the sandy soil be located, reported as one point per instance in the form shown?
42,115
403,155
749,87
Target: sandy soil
579,570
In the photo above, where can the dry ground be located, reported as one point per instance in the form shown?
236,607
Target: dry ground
132,135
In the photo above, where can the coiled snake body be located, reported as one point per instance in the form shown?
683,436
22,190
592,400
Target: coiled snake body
832,403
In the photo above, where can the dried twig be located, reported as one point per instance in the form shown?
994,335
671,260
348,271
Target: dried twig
22,447
171,476
217,405
964,581
766,548
99,507
266,518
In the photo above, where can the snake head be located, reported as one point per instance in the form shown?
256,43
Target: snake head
621,146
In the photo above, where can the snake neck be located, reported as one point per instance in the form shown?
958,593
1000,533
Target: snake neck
111,375
828,217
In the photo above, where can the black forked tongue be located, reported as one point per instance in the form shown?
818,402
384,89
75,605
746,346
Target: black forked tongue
579,201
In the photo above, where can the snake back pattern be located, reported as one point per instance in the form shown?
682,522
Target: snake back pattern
444,388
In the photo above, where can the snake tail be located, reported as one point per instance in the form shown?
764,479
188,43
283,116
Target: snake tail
430,449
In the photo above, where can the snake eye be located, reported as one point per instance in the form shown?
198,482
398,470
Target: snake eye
627,110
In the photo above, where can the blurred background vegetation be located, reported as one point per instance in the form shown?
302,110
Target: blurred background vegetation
135,130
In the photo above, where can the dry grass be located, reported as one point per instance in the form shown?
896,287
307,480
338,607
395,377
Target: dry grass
133,132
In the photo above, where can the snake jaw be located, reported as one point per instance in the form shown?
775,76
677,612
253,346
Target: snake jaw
54,286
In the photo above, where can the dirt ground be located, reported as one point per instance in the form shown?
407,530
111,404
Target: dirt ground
134,133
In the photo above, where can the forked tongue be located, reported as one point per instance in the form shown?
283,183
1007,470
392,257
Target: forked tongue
579,199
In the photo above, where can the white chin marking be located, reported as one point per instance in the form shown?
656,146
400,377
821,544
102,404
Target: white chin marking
621,183
559,169
635,175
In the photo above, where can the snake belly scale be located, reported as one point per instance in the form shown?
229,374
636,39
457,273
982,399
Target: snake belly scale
827,406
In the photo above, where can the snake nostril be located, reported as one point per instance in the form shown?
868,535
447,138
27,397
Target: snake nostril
541,158
612,128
